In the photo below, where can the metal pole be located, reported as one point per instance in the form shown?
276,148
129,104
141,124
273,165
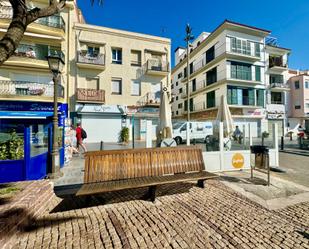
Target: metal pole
133,145
55,150
188,93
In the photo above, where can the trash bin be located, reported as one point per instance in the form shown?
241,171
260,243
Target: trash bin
261,153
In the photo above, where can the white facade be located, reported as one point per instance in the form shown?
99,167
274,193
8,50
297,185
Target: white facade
233,61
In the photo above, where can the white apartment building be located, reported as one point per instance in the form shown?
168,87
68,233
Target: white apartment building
116,75
234,61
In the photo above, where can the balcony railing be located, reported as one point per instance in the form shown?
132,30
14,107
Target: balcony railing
90,95
149,98
54,21
279,85
156,65
91,59
276,62
37,51
26,88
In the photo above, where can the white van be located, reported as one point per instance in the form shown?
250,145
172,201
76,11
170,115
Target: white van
198,131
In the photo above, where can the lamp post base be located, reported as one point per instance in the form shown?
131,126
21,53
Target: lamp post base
56,173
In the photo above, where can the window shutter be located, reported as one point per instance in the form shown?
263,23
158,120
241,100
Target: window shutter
257,73
251,96
136,86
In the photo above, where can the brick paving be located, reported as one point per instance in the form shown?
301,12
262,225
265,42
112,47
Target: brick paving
183,216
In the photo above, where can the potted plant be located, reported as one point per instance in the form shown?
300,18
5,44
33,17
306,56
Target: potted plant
265,134
124,135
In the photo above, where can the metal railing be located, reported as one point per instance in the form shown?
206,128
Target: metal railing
89,59
156,65
26,88
55,21
150,98
279,85
37,51
91,95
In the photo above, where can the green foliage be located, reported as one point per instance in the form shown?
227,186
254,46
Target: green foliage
265,134
124,134
13,148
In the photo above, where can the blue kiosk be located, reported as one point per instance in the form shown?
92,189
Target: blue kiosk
26,133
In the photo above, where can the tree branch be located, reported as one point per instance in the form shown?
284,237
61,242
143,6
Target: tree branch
53,8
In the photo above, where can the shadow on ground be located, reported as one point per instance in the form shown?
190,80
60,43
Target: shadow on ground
72,202
26,221
254,180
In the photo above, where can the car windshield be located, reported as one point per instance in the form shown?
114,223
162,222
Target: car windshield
177,125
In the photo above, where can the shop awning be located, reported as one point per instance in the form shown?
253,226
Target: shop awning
25,115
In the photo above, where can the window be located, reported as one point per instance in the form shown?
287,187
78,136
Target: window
275,78
117,86
176,83
243,96
136,58
185,72
179,75
210,54
241,71
276,98
180,90
296,84
172,86
117,56
179,105
191,68
136,88
93,51
193,85
307,105
297,107
211,99
257,73
176,112
307,84
240,46
92,83
211,76
186,105
176,98
260,97
257,49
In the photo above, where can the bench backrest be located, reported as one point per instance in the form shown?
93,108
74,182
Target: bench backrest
133,163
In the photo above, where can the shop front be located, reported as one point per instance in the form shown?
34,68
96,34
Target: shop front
26,133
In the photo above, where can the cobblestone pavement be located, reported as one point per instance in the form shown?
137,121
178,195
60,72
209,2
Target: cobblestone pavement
183,216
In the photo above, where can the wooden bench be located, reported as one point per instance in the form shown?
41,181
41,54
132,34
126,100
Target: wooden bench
114,170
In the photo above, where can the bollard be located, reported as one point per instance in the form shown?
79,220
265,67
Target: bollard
102,145
282,143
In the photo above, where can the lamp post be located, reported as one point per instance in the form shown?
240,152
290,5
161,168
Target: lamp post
55,64
189,37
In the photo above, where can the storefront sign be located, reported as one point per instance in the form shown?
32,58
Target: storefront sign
97,108
254,112
275,116
238,161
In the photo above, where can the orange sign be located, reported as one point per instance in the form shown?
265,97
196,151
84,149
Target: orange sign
238,161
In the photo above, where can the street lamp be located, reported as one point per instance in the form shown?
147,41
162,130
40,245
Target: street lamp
189,37
55,64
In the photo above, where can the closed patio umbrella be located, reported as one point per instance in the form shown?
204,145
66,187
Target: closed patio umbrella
224,115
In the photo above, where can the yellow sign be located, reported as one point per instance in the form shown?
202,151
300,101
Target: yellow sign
238,161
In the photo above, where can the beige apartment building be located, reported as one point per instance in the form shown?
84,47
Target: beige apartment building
115,75
299,98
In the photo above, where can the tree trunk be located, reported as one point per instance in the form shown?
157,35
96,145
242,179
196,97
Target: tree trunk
14,34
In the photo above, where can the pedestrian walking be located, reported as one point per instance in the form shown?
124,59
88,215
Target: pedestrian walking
80,136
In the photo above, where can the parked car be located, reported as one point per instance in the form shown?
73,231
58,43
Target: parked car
198,131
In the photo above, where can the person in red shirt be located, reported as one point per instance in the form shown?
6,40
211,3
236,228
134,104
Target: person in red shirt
79,138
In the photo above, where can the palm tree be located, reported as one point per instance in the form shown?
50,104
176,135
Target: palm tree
22,17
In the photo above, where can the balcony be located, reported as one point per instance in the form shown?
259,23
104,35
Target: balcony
85,60
279,87
41,91
155,67
150,99
240,50
277,64
33,56
55,22
90,95
199,86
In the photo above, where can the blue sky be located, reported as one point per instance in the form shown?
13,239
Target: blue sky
287,19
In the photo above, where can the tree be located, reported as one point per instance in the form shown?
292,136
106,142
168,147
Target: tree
22,17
